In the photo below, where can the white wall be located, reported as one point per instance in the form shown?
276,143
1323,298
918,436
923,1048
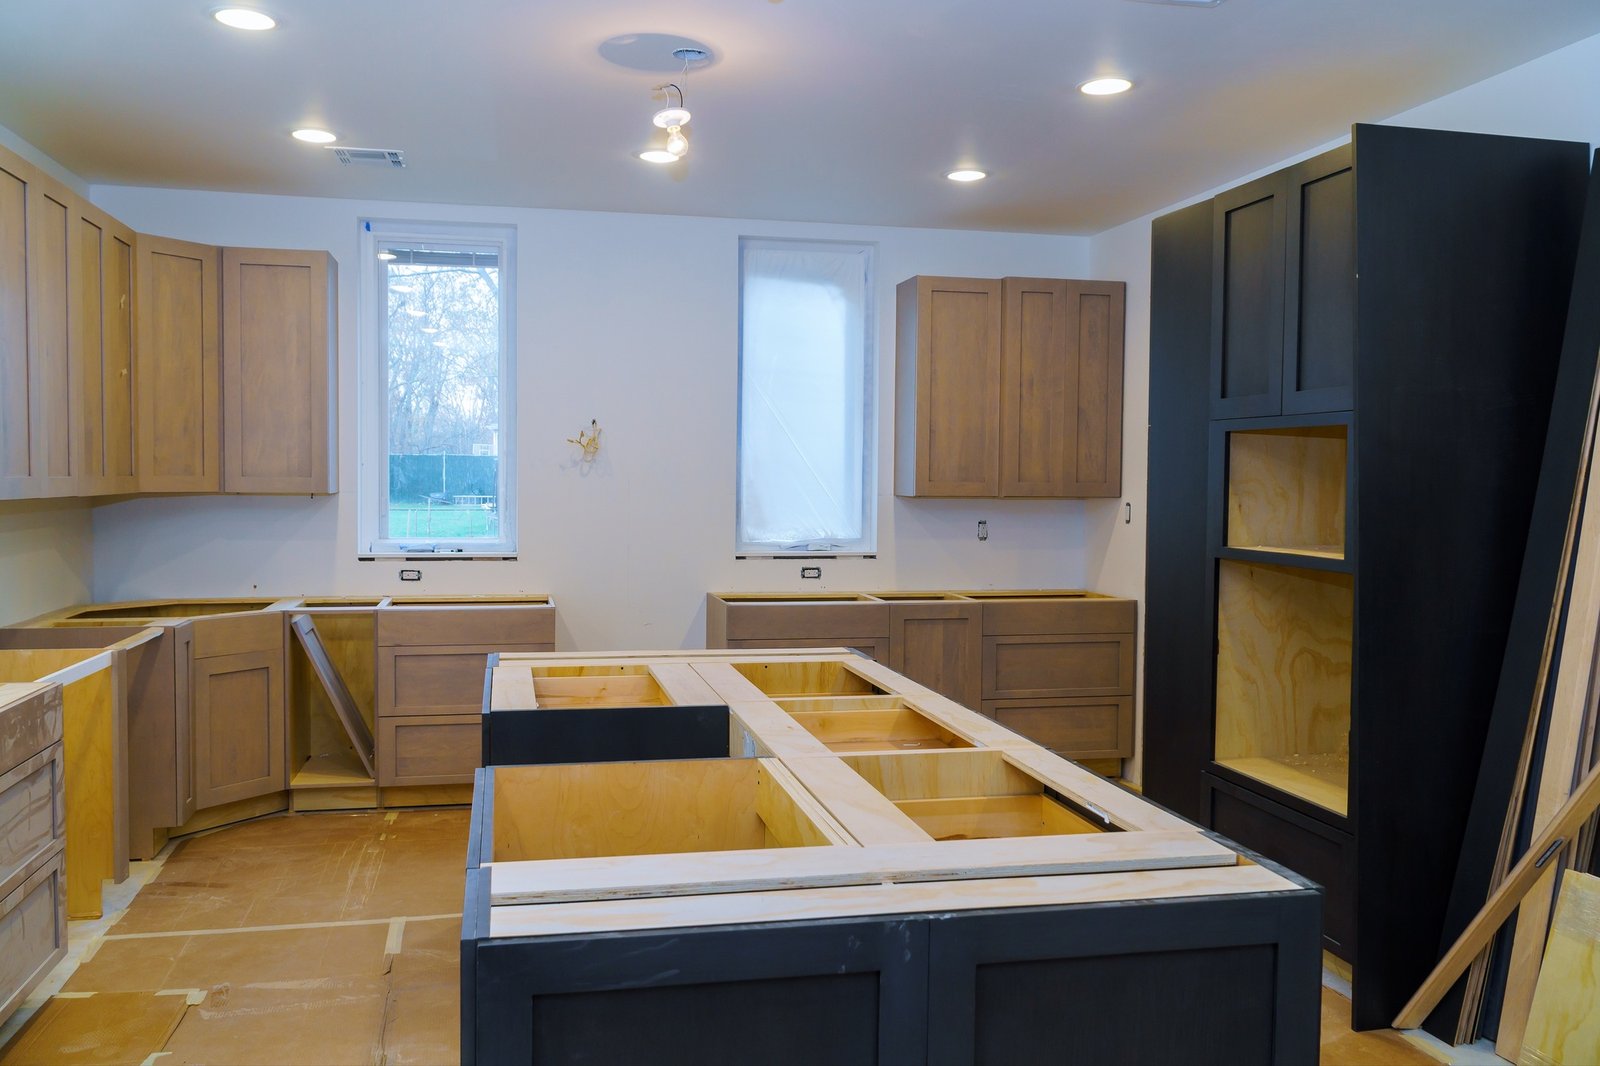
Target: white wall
1556,95
45,557
628,319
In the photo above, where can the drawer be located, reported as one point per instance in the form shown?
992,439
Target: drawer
1026,617
1028,667
798,620
437,680
1319,852
28,724
32,815
33,932
1082,728
429,750
498,628
876,648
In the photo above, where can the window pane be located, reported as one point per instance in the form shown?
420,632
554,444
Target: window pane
443,393
803,383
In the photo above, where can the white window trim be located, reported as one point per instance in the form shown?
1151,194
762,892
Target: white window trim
371,389
867,546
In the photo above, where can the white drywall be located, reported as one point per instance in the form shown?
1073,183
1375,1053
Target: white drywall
628,319
45,557
1557,95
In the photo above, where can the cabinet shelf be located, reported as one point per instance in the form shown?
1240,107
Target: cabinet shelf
1309,558
1321,779
1286,490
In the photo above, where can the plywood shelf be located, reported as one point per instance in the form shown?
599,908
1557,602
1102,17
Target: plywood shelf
1320,779
338,769
1286,490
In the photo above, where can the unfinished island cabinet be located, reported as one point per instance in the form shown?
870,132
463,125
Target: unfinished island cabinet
1009,387
178,365
33,897
236,692
1328,600
279,378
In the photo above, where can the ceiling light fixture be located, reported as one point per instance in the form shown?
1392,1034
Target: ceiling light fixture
1105,86
244,18
673,119
967,175
314,136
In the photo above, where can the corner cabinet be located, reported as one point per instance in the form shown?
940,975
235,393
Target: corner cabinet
1008,387
1330,578
279,381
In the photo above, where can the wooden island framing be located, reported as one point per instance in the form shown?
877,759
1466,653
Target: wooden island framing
854,869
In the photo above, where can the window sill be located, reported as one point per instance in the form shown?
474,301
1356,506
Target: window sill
435,557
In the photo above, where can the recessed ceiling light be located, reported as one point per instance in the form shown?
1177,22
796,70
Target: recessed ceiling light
244,18
1105,86
311,136
967,175
657,155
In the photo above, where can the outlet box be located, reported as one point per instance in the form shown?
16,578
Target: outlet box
811,571
411,575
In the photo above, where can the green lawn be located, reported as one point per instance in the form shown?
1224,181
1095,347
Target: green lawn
442,521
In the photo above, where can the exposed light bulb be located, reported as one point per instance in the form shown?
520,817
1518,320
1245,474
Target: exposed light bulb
658,155
244,18
1105,86
668,117
314,136
966,175
677,143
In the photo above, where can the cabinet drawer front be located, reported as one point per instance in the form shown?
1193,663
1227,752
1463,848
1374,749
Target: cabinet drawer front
429,750
498,627
233,634
1017,667
1077,728
33,933
32,816
875,647
447,680
1029,618
1315,851
779,621
32,724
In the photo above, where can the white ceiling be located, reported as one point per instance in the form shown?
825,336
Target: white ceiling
822,110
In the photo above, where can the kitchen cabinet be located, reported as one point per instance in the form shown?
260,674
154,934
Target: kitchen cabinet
239,714
33,898
178,366
279,379
1302,557
1008,387
102,346
1283,291
1054,665
53,384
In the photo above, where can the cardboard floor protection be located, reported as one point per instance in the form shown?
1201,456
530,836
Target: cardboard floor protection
110,1028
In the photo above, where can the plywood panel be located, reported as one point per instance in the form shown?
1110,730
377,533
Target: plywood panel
1564,1024
943,775
1286,489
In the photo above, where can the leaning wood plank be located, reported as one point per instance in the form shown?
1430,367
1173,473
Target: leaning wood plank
770,869
1564,1025
1545,847
338,693
1570,705
805,904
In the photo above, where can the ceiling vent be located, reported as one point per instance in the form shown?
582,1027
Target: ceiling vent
370,157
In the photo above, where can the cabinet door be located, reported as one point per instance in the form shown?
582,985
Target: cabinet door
17,459
278,376
1061,388
52,381
237,698
1319,317
947,387
1247,299
102,346
177,366
939,645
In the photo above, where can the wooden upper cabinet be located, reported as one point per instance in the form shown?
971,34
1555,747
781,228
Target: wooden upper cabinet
17,463
947,387
53,383
1061,413
1283,291
177,366
101,310
1009,387
279,379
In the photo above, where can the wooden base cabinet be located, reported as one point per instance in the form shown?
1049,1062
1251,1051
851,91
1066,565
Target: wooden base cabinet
1056,666
237,697
33,897
1327,596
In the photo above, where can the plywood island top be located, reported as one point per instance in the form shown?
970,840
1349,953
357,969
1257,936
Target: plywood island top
877,794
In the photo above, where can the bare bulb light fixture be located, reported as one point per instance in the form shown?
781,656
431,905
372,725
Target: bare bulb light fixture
673,118
1105,86
244,18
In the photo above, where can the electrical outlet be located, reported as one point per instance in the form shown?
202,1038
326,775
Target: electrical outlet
411,575
811,571
983,529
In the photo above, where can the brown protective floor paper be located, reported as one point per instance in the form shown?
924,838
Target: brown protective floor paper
116,1027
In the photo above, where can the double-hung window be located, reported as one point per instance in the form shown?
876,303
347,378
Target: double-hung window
438,389
806,373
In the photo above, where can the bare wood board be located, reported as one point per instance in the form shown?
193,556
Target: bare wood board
338,693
